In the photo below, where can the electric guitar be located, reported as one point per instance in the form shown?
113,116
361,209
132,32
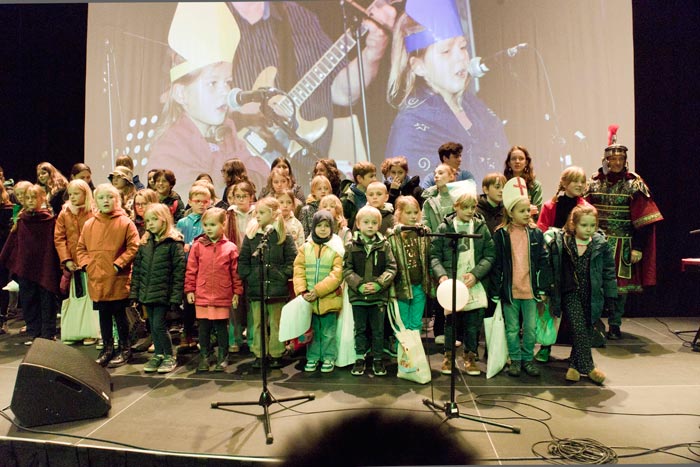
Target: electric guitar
270,142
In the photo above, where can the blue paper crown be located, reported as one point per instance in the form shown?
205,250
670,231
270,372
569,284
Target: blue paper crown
440,19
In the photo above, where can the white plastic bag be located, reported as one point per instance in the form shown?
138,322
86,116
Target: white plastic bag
345,334
78,319
295,319
410,355
496,343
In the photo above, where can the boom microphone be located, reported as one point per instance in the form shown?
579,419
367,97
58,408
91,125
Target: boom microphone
478,69
418,228
237,97
267,231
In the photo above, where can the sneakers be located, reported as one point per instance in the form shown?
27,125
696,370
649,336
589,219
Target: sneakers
234,348
614,332
440,339
203,366
514,369
220,366
378,367
100,344
29,342
152,365
470,363
327,367
446,368
168,365
358,369
122,358
275,362
311,366
573,375
89,341
543,354
531,369
597,376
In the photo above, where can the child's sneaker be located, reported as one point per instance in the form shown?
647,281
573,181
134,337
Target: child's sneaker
168,365
514,369
327,366
470,364
378,367
311,366
543,354
203,364
220,366
358,369
446,368
530,368
235,348
153,364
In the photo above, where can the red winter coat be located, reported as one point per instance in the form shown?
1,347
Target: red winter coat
108,240
67,233
212,272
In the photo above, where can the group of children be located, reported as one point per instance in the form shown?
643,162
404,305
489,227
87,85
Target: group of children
214,260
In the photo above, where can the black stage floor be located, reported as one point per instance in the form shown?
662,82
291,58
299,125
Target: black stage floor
649,401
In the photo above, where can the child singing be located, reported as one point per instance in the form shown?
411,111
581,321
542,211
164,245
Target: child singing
584,284
157,281
212,284
521,275
318,273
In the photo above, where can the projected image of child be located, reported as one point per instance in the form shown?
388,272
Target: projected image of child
195,134
428,84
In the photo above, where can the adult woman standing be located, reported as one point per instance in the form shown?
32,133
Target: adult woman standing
54,183
519,164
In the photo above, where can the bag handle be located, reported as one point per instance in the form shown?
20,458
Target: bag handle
394,316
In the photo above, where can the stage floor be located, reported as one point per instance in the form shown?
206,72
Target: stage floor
650,372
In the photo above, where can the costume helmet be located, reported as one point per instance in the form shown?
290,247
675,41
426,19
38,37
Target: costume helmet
613,147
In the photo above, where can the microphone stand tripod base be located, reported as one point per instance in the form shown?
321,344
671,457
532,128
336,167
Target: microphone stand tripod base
451,410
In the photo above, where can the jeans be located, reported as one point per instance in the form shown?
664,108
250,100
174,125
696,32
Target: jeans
159,329
324,345
511,315
411,311
615,318
275,348
371,316
39,307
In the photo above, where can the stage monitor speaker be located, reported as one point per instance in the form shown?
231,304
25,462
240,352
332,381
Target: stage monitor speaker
56,383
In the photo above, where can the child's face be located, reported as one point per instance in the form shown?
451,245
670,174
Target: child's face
264,216
517,161
365,180
575,188
280,183
19,194
213,229
410,215
442,177
31,202
76,196
85,176
397,173
328,205
444,66
286,205
154,224
42,176
199,203
151,180
204,100
494,192
377,196
321,190
586,227
368,226
139,205
323,229
284,167
163,186
465,211
521,213
241,199
119,182
106,202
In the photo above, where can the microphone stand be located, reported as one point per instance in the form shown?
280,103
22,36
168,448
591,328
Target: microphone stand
266,399
451,408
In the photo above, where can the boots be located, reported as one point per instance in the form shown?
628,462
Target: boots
470,363
123,357
447,364
106,355
221,362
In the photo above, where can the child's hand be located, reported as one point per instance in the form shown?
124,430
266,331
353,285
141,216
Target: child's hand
187,247
70,265
469,279
310,296
533,210
234,302
442,279
369,288
190,298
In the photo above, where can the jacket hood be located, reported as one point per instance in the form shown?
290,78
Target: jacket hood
206,241
116,213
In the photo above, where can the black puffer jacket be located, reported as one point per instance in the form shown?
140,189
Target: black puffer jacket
279,266
158,275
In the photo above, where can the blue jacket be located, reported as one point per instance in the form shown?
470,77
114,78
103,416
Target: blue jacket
190,227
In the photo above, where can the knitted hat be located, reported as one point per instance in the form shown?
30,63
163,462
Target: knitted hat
202,34
123,172
320,216
514,191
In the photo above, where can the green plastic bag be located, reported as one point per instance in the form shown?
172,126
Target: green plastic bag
547,325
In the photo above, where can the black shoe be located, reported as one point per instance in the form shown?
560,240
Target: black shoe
121,359
358,368
378,367
275,362
614,332
514,369
257,363
531,369
105,356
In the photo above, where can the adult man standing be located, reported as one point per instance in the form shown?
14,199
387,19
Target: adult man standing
450,153
627,214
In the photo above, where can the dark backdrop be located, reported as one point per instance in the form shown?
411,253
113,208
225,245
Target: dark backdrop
42,102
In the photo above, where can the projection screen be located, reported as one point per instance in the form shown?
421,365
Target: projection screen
558,74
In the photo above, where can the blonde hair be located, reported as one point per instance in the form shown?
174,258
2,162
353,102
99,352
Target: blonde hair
217,213
402,80
317,182
56,180
108,187
403,202
279,172
465,199
85,188
378,185
451,170
273,205
201,187
570,174
39,193
340,220
290,194
575,217
162,212
370,211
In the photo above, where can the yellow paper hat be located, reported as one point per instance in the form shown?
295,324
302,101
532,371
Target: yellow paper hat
202,34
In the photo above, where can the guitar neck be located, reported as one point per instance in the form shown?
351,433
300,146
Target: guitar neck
322,69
